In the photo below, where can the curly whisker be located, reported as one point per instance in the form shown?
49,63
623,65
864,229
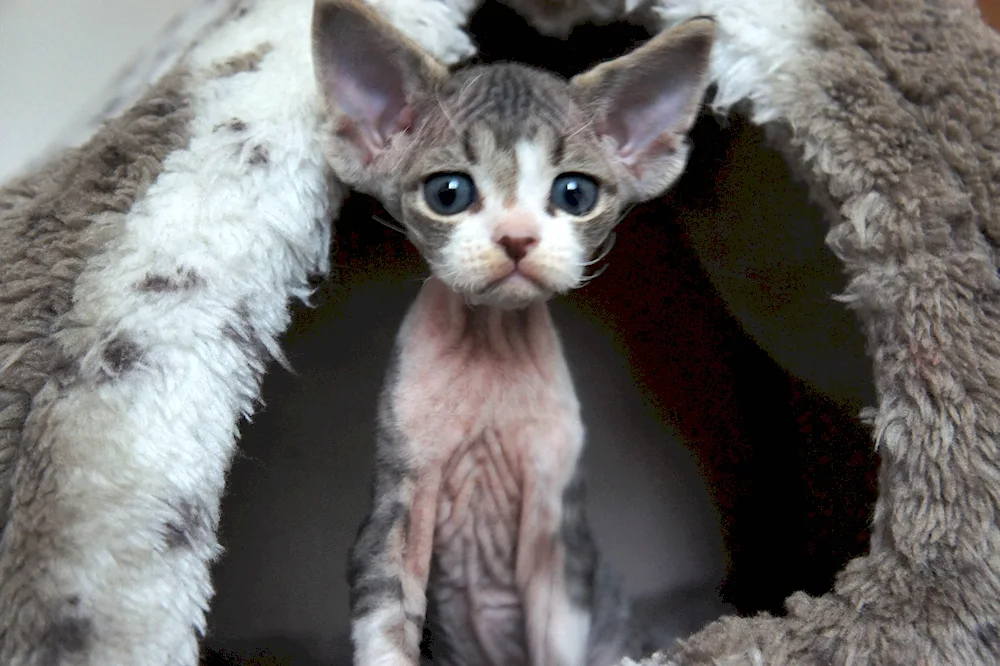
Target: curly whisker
588,278
389,225
581,128
606,246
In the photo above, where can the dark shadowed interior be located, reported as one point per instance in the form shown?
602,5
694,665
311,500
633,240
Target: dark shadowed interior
720,380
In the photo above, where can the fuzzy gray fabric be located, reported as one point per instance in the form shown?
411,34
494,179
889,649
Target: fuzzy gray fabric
905,113
890,111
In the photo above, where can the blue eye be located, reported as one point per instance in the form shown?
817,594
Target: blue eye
449,193
574,193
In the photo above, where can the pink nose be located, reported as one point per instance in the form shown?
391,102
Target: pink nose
517,247
516,233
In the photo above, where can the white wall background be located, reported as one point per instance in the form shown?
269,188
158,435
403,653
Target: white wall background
56,58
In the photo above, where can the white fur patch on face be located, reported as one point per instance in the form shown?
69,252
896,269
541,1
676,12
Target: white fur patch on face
475,263
558,259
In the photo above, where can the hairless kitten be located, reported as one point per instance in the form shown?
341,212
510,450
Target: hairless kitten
509,180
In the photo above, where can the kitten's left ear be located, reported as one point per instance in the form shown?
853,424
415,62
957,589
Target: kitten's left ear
647,100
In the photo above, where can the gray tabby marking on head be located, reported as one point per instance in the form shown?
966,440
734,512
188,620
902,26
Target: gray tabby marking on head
510,136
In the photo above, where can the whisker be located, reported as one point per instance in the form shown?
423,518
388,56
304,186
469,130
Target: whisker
416,237
445,113
587,278
626,213
468,84
390,225
609,243
581,128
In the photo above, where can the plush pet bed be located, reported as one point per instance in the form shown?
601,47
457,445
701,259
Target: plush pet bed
146,275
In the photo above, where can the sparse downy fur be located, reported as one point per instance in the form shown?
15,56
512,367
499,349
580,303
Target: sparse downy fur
509,180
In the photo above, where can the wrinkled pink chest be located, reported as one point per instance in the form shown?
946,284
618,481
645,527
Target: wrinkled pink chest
484,389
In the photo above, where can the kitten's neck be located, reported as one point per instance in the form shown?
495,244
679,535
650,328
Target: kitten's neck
509,335
498,331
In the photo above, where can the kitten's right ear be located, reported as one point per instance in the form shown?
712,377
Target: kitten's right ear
369,73
646,101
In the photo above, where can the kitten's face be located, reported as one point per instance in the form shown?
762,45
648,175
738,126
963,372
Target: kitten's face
504,187
508,179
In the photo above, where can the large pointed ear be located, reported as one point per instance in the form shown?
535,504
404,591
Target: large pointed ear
369,72
646,101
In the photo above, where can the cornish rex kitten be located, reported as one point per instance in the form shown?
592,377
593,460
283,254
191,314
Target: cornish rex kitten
508,180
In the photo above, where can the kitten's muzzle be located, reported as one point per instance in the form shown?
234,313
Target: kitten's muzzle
517,236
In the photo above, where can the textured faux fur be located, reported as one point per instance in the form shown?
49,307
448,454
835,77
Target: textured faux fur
893,111
145,275
143,279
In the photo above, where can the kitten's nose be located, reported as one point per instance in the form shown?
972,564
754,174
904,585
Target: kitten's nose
517,247
516,232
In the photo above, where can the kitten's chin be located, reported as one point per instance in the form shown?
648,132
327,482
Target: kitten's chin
513,292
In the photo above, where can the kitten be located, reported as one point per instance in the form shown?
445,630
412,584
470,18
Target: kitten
508,179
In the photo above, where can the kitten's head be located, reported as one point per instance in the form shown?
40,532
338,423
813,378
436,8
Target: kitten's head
508,179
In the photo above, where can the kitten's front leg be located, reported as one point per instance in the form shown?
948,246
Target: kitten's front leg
554,582
389,566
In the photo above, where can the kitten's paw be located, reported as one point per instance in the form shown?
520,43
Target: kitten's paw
436,25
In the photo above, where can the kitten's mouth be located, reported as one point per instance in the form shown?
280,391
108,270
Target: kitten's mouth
516,288
517,277
514,274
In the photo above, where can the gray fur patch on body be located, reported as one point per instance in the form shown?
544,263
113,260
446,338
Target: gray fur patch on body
120,355
194,524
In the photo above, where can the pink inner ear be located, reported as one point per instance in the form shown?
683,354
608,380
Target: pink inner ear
372,99
363,75
650,115
653,99
400,122
663,114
